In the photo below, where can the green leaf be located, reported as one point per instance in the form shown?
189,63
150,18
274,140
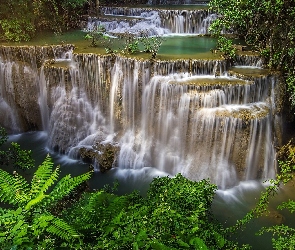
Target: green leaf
35,201
62,229
13,188
198,243
64,187
44,177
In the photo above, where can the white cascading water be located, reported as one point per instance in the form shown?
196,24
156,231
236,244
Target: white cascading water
146,21
155,23
8,113
197,132
195,123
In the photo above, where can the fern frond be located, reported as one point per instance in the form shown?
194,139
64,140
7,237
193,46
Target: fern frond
40,223
97,209
13,188
44,177
65,186
9,218
89,215
115,207
6,215
35,201
62,229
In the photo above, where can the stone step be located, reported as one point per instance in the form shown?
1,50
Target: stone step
244,112
211,81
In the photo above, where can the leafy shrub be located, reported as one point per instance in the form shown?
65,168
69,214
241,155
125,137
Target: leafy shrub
175,214
225,45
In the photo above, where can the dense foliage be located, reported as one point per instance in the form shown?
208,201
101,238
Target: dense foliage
19,20
26,220
175,214
268,26
14,155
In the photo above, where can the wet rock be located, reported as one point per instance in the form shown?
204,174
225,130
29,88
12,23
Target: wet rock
104,155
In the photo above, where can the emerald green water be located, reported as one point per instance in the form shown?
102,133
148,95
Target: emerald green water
173,47
188,47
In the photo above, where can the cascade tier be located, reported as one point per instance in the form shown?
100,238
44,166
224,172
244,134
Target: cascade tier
177,116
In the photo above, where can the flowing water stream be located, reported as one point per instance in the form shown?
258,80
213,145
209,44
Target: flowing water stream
202,117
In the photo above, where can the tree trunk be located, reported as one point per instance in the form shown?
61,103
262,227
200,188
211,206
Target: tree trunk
97,7
90,8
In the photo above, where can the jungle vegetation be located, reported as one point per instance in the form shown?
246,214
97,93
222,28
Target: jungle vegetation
265,25
21,19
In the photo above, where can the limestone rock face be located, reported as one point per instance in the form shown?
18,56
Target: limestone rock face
20,84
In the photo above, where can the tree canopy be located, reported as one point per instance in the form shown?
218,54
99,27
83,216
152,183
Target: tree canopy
20,19
268,26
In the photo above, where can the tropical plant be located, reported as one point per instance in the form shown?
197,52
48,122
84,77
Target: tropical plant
175,214
19,20
225,45
96,34
26,221
131,43
151,44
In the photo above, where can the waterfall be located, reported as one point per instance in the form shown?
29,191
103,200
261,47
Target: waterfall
176,116
117,20
19,90
187,21
168,2
198,132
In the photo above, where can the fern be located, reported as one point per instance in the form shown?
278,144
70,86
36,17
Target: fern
44,177
93,213
13,188
62,229
114,207
22,229
64,187
94,210
14,228
8,217
40,223
35,201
